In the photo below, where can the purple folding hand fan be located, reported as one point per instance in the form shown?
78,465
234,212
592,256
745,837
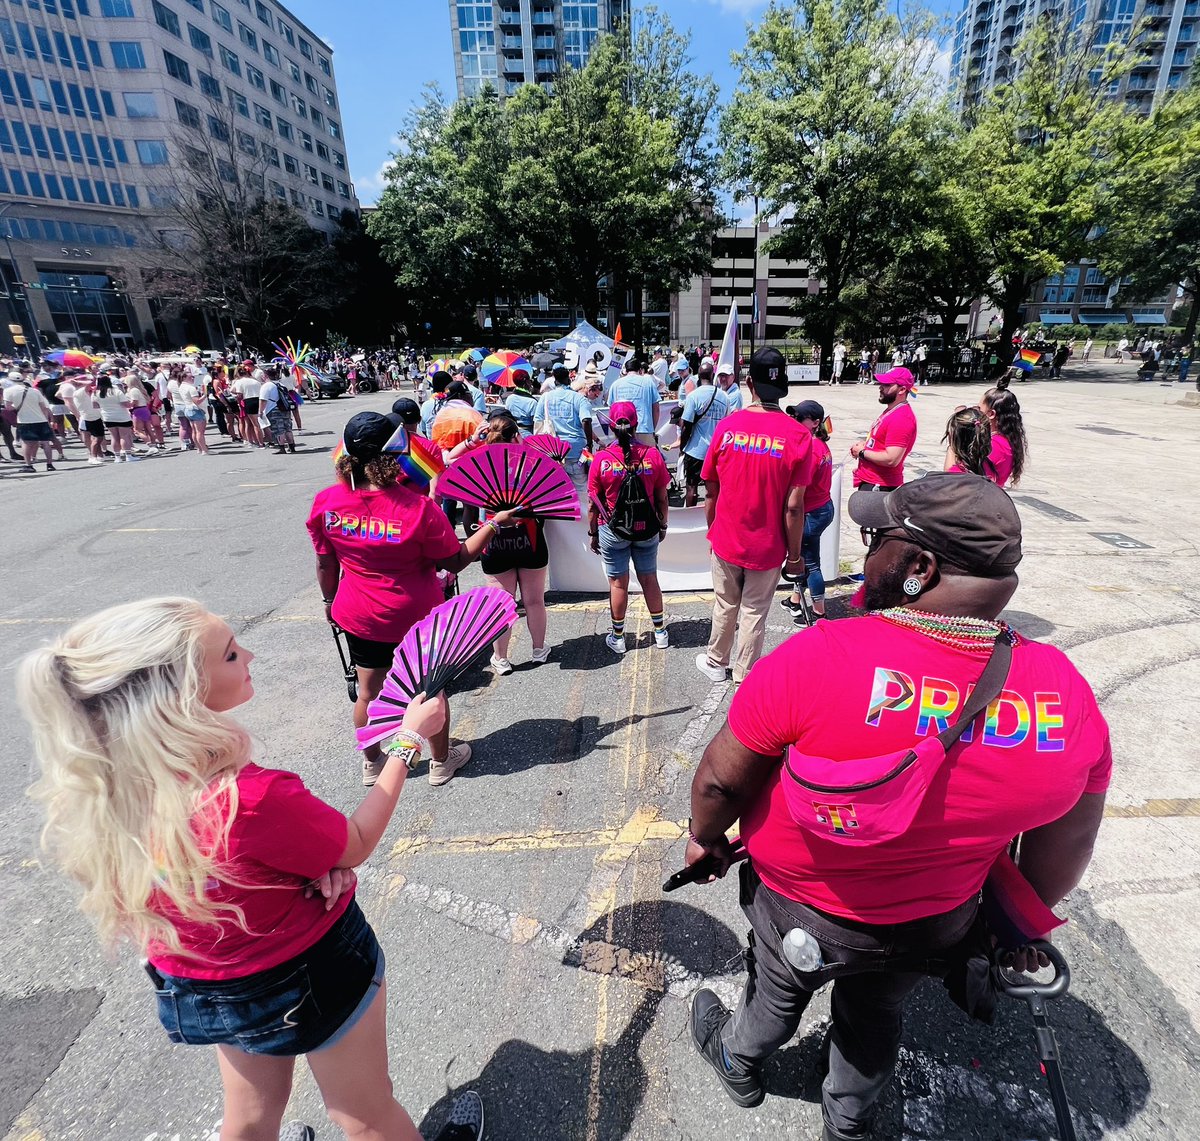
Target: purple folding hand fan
438,649
555,448
503,476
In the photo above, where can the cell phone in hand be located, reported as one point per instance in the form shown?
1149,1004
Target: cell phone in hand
706,866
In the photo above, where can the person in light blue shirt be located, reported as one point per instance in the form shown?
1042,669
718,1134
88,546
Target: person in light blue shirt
437,385
521,402
642,392
468,375
703,408
571,414
727,384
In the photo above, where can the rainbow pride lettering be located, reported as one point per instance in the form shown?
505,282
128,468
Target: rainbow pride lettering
755,445
1008,723
368,527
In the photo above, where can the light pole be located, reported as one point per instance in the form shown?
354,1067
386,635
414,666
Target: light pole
16,276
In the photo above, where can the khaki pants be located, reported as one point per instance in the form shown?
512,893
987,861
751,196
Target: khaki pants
743,601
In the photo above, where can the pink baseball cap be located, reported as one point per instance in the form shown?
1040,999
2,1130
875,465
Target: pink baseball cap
900,376
623,410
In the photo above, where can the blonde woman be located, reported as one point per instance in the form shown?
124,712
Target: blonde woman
231,878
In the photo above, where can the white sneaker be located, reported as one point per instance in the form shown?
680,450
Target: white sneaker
661,640
540,655
615,643
501,666
96,462
713,673
123,458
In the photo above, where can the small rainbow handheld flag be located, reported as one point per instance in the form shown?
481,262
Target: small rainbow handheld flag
421,462
1027,359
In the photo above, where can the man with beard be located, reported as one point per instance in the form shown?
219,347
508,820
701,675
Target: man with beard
942,554
882,454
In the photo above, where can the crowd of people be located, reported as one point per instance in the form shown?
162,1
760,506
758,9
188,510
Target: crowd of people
237,882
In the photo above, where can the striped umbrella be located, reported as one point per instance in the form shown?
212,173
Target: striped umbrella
71,358
442,364
500,366
472,356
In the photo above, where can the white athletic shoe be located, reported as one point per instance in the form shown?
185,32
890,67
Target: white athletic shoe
540,655
615,642
501,666
713,673
661,640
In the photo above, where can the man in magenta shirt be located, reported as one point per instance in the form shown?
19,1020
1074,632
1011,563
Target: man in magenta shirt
755,474
941,562
882,454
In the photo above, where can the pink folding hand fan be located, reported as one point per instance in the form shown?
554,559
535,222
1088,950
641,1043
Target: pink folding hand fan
438,649
503,476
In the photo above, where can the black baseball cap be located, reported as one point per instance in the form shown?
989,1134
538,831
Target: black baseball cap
768,372
470,371
367,433
407,409
962,518
808,410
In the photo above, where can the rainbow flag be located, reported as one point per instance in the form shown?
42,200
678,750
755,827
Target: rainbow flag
1027,359
421,462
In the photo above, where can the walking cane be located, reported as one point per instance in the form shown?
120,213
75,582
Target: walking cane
1037,995
348,670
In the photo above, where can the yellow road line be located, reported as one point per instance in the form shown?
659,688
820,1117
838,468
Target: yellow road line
618,843
1154,809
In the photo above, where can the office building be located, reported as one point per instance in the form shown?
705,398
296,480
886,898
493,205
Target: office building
99,100
507,43
985,35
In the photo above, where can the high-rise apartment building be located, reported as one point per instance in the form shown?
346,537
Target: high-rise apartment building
100,98
987,31
985,35
507,43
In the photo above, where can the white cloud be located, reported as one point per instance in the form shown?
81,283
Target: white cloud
370,188
740,7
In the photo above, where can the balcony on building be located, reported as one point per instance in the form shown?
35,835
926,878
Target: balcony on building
511,43
543,18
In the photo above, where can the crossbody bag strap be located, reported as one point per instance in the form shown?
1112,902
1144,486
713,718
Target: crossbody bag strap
987,689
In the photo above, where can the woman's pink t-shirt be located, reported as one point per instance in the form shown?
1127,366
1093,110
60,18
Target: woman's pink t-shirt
865,687
387,542
282,838
817,493
999,466
607,473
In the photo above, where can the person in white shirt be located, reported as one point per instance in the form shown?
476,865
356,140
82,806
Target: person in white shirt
248,387
1087,348
839,362
193,406
118,421
33,422
277,407
91,420
161,384
920,353
659,369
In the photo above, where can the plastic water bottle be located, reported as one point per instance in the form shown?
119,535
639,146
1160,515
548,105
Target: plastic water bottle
802,951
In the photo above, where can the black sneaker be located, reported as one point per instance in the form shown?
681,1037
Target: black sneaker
49,466
790,606
27,467
465,1122
708,1020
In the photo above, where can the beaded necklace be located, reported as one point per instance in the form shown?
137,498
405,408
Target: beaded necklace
960,631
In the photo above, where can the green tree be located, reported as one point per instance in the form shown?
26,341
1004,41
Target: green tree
1031,175
834,112
612,194
1152,213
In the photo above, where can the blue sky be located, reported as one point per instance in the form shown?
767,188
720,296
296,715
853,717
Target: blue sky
385,51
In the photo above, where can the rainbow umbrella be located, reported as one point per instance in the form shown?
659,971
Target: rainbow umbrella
500,366
472,356
442,364
71,358
297,358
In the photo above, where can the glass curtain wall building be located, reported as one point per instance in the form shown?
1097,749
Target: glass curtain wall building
507,43
99,100
986,33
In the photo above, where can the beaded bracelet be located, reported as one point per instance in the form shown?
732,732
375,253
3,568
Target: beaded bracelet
404,740
707,845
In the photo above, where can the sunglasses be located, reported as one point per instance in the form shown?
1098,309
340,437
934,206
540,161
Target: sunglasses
874,537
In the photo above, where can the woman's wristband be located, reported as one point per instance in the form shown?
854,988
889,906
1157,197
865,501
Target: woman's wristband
406,739
707,845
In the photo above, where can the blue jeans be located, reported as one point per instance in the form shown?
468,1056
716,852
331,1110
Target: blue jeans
815,522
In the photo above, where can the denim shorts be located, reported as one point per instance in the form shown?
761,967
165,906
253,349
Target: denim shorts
305,1004
615,554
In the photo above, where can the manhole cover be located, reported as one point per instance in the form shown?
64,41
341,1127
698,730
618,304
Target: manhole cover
1116,539
1060,513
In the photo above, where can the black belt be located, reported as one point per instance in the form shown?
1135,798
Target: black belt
874,487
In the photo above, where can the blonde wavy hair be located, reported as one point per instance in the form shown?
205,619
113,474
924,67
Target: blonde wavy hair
137,774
